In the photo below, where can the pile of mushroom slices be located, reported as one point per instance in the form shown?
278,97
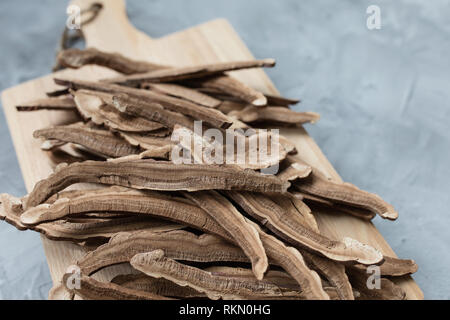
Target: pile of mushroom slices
192,229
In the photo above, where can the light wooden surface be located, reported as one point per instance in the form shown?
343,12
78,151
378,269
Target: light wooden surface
211,42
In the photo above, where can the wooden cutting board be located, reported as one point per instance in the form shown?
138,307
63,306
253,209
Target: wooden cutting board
214,41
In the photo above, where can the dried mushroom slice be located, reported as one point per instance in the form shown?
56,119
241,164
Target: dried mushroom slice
320,204
179,91
48,104
288,225
90,289
161,286
100,141
182,73
393,267
129,201
178,245
76,58
147,98
11,209
234,88
155,175
280,101
157,265
332,271
79,231
345,193
232,220
387,289
92,107
272,114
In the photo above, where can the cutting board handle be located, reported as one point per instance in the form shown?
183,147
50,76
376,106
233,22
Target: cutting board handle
111,30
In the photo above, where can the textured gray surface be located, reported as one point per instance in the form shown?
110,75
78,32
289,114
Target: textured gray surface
383,95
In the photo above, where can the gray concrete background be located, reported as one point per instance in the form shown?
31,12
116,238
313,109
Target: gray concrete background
383,95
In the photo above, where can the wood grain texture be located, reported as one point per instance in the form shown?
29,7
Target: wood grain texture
215,41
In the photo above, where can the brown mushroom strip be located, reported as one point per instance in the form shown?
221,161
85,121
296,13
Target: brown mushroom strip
345,193
232,220
234,88
280,101
278,115
155,175
148,98
332,271
76,58
82,231
288,225
91,289
288,286
11,209
148,142
161,286
387,290
319,204
294,171
92,107
182,73
150,111
184,93
132,201
178,245
48,104
156,264
279,278
100,141
393,267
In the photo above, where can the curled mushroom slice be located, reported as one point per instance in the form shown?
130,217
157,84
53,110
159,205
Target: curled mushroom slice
156,264
294,171
286,284
100,141
10,210
149,142
90,289
161,286
234,88
232,220
147,98
178,245
182,73
150,111
345,193
393,267
272,114
155,175
387,290
111,200
280,101
320,204
102,228
48,104
288,225
184,93
333,272
76,58
92,107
